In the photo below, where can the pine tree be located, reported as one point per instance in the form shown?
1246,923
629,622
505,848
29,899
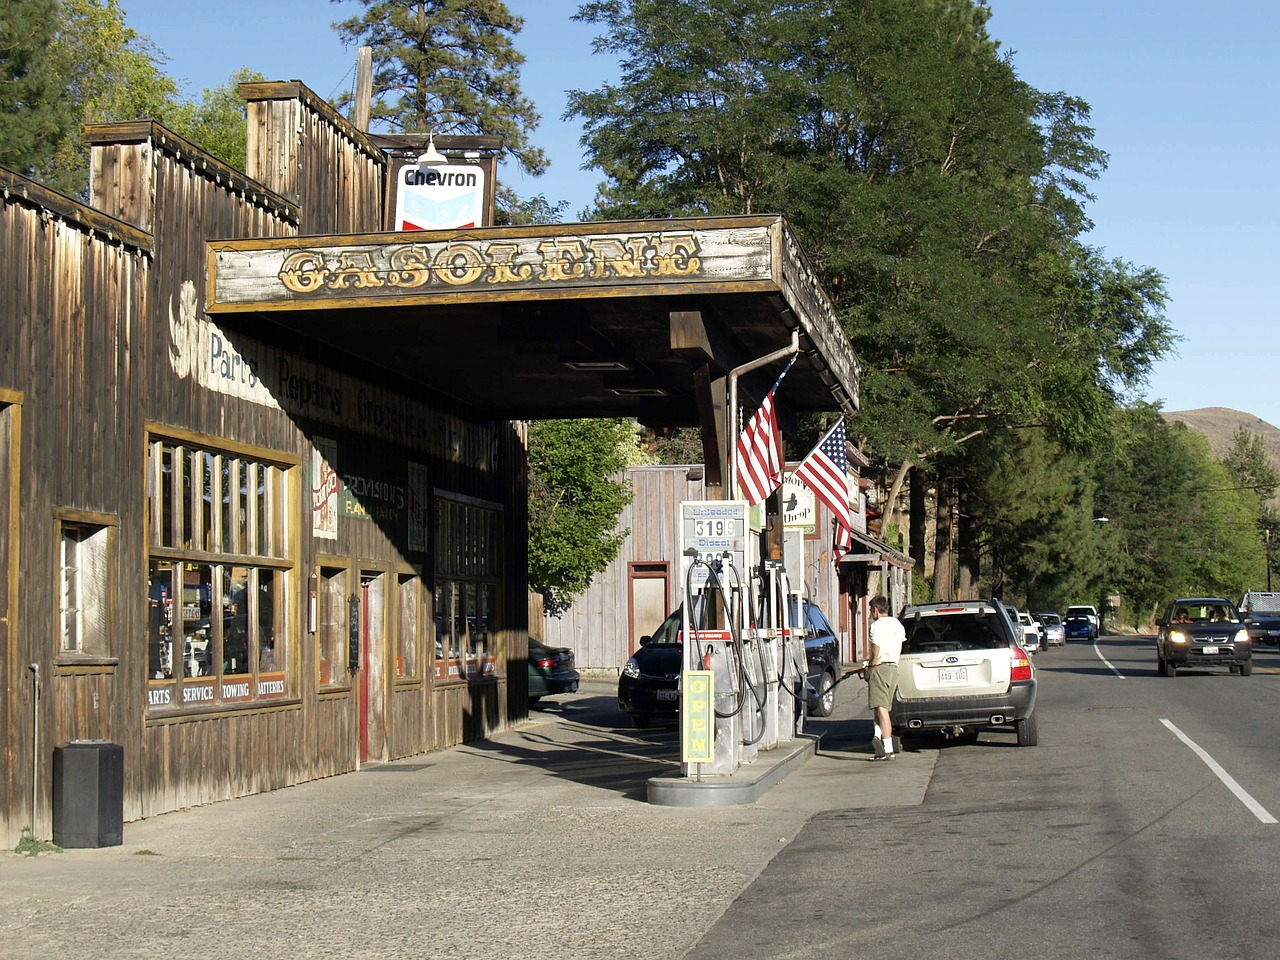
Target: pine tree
34,114
448,66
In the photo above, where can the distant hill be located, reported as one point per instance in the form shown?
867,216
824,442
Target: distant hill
1219,425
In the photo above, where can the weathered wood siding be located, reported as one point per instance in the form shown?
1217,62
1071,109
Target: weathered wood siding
597,626
302,149
73,287
104,346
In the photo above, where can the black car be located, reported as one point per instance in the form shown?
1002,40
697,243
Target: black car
1261,616
1203,632
649,687
550,671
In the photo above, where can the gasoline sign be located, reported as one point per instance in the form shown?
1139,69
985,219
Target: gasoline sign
446,197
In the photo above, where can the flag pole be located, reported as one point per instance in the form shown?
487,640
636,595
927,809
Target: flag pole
731,415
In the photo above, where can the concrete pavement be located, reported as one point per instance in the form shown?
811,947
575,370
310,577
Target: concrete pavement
537,844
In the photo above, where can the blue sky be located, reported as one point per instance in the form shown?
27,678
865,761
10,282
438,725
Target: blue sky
1184,100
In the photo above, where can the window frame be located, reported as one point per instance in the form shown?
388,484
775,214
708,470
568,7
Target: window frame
96,643
467,551
220,521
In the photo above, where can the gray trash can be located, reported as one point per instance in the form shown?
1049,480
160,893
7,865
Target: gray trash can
88,794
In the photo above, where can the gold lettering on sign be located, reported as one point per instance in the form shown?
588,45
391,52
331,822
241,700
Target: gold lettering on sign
562,259
355,270
677,256
502,257
304,271
409,267
612,257
459,264
465,263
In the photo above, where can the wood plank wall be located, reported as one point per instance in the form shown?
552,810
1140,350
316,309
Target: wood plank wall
597,627
99,306
302,149
74,288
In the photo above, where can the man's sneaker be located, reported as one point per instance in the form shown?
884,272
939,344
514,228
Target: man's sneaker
878,748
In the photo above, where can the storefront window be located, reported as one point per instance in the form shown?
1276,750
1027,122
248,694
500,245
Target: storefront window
333,629
216,583
467,579
408,604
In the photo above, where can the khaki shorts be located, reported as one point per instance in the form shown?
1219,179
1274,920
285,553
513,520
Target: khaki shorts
882,680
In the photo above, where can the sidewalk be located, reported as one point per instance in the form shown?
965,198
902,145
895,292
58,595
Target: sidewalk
537,844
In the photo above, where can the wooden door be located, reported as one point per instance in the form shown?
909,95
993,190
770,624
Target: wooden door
648,599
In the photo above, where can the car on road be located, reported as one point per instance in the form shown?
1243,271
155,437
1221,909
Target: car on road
1052,633
1203,632
551,671
1027,635
1261,613
1030,631
649,685
1082,622
963,668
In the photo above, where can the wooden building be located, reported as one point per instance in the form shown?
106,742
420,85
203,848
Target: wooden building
264,517
634,594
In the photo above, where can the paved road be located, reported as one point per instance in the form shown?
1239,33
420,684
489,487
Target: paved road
1111,839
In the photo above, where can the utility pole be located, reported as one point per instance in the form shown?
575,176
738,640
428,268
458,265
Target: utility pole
1268,543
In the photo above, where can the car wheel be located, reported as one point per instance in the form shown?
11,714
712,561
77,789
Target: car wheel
639,722
1246,668
533,700
825,701
1028,733
1169,669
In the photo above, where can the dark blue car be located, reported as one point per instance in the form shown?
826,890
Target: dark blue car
649,687
1078,628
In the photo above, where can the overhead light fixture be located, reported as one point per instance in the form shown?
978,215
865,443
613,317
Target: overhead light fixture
637,391
432,157
596,366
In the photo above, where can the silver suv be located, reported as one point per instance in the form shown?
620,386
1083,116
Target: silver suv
963,668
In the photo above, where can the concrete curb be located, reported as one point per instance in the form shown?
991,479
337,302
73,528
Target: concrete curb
745,785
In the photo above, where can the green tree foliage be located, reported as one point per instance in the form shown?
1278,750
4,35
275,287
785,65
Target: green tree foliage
109,72
217,121
1179,522
940,196
1032,504
574,503
34,114
1250,466
448,66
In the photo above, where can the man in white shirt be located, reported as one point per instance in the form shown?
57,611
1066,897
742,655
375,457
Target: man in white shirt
881,673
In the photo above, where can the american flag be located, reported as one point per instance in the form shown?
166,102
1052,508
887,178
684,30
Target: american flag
759,450
760,454
825,471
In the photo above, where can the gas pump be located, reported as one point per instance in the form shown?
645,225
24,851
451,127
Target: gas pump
743,678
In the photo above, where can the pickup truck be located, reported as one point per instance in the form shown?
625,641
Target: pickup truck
1261,612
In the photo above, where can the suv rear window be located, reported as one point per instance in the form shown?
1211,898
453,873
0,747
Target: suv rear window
944,633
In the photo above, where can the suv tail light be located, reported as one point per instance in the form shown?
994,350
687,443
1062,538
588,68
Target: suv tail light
1021,665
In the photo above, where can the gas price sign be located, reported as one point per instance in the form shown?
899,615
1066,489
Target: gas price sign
713,528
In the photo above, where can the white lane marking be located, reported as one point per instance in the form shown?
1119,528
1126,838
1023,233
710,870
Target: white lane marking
1257,809
1106,661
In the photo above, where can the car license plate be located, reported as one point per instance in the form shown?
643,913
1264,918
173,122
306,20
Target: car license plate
1208,649
953,675
668,694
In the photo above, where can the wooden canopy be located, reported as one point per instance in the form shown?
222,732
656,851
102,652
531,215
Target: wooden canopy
573,320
